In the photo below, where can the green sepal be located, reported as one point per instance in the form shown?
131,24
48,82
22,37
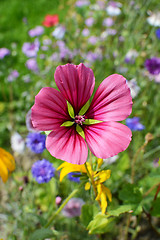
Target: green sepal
80,131
67,124
70,110
47,132
84,108
91,121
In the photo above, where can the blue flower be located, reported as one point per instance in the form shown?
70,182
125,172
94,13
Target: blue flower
74,179
153,65
43,171
134,124
158,33
36,142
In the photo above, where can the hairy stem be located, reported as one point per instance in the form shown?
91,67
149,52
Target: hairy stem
60,208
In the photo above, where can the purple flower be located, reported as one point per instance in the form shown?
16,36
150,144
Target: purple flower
74,179
108,22
134,124
42,171
111,31
89,22
37,31
13,76
31,49
85,32
158,33
156,163
59,32
131,55
36,142
92,57
73,208
55,57
31,64
47,41
81,3
93,40
4,52
153,65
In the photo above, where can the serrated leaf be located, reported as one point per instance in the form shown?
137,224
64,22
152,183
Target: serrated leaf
121,209
80,131
67,124
91,121
41,234
70,110
84,108
101,224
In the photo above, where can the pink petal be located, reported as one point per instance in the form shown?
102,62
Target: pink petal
66,144
112,100
49,110
76,83
107,139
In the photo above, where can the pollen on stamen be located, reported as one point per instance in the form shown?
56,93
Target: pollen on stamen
79,119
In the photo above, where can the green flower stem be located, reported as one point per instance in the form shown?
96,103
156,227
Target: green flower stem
61,207
92,181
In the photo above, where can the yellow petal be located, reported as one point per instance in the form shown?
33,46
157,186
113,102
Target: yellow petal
99,191
69,167
107,192
7,159
103,202
103,176
3,171
100,162
87,186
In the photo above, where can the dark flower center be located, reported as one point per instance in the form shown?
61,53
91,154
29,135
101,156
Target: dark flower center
79,119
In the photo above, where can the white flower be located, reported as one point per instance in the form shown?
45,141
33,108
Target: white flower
110,160
154,19
131,55
113,8
17,143
133,87
59,32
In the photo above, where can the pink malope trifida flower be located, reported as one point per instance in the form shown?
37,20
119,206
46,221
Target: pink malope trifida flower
74,123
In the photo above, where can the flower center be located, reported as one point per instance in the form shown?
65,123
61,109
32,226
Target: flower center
79,119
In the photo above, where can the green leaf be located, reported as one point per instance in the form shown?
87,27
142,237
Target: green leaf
67,124
91,121
130,194
121,209
156,208
87,213
80,131
70,110
41,234
84,108
101,224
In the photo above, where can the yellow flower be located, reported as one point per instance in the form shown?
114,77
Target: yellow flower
7,164
97,178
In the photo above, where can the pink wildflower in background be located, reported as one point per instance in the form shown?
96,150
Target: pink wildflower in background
95,126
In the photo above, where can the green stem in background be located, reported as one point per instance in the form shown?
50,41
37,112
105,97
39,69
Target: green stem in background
151,189
61,207
148,138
